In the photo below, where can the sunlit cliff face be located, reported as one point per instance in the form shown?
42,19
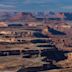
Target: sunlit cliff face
3,24
5,32
63,27
7,40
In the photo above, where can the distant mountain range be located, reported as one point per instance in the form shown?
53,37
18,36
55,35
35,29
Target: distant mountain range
12,16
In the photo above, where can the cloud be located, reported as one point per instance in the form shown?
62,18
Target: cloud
6,6
7,10
36,1
66,7
37,5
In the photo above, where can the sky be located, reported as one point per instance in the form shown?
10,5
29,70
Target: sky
36,5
